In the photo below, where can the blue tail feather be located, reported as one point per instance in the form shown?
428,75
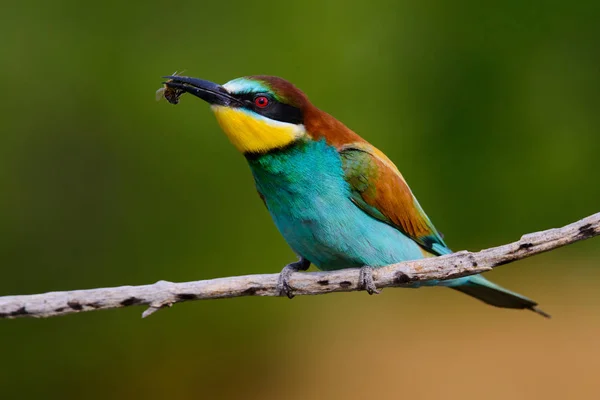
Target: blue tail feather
488,292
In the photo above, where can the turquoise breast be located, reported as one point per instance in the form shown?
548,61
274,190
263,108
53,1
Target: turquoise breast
307,196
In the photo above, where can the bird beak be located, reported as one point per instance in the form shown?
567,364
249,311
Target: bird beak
208,91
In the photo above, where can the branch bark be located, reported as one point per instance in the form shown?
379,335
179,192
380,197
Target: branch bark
165,294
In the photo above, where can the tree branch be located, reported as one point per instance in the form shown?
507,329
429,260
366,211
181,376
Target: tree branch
165,294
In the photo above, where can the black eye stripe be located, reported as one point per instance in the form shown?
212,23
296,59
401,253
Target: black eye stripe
281,112
274,110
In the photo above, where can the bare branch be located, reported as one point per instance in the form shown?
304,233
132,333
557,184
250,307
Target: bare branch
165,294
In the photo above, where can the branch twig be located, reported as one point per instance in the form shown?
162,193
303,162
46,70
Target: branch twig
165,294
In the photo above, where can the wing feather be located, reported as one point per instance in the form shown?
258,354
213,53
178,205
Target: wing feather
379,189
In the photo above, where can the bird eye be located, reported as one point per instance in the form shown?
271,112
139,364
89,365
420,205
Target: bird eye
261,101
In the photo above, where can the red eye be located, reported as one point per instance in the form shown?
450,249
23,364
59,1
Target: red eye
261,101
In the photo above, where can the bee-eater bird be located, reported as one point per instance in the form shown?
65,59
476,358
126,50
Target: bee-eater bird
337,200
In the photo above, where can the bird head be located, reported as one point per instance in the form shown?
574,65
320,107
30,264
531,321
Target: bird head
257,113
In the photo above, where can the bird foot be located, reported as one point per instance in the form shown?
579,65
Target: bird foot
283,286
365,280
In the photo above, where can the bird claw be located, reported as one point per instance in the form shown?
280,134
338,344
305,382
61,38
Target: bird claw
283,286
365,280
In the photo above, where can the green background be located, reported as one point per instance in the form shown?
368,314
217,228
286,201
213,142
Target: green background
491,111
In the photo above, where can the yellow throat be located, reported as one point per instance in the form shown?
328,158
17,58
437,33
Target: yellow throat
252,133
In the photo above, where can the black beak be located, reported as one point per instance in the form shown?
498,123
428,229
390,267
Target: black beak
208,91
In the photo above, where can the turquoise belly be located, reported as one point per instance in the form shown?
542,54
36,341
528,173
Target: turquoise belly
309,200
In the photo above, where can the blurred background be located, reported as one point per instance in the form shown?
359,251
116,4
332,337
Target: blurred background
491,111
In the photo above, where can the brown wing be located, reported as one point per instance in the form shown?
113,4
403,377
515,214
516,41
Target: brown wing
379,189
